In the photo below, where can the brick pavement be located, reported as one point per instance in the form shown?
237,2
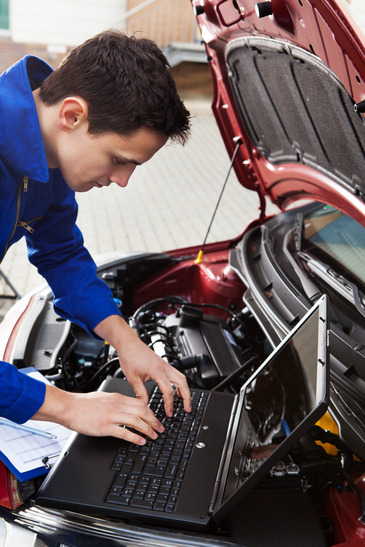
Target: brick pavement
168,203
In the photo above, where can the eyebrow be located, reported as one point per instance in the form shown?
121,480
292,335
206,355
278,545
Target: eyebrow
128,160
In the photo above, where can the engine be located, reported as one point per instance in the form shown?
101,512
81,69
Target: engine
209,350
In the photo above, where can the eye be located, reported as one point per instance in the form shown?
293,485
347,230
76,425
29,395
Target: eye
119,161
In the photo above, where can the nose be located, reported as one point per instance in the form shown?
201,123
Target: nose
122,175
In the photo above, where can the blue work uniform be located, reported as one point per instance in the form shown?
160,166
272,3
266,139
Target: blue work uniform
36,202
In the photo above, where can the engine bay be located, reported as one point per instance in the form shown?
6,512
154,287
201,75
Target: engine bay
207,332
204,347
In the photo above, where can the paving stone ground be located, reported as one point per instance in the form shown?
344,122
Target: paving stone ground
168,203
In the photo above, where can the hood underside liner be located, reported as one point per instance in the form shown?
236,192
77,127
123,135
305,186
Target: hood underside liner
295,110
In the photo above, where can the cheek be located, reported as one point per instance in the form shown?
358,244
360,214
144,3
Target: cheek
92,163
84,162
76,172
83,169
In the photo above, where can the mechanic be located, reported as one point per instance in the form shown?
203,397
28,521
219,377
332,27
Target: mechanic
109,107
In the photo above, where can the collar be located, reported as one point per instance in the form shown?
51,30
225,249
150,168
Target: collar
21,141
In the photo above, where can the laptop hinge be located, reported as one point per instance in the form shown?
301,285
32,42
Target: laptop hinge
226,453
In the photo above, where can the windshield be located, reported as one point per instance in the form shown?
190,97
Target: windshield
339,238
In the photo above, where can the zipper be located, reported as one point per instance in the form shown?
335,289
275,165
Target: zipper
22,186
25,225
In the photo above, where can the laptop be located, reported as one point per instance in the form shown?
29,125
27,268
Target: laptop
227,447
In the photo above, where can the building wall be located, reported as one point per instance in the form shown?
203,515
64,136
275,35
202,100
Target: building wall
48,28
69,22
164,21
62,22
10,52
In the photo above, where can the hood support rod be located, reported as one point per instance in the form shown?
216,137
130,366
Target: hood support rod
200,254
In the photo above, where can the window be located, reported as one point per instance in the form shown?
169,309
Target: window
4,14
340,238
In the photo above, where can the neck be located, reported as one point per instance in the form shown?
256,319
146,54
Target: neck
47,124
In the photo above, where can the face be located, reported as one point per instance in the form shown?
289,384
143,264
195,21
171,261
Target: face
94,161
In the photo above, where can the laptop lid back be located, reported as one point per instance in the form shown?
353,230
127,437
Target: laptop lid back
283,399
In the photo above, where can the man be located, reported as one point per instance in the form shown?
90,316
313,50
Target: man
109,107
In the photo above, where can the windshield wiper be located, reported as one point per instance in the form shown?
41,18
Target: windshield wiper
338,282
298,232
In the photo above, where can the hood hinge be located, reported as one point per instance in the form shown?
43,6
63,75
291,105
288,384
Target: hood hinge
262,200
250,176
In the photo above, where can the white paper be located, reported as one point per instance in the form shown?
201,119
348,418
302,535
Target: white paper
26,451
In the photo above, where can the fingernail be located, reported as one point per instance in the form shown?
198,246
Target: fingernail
142,441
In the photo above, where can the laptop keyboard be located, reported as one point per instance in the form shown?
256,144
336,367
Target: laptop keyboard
150,476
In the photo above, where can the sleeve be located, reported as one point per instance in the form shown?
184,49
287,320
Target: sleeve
21,395
57,249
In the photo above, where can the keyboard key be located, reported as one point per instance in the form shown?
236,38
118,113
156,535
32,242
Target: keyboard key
150,476
159,506
126,468
128,492
153,489
141,504
162,498
157,471
115,491
120,480
143,479
122,500
151,462
139,464
171,471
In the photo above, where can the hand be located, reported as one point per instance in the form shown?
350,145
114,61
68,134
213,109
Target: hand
142,365
139,363
100,414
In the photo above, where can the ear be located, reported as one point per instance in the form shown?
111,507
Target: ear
73,112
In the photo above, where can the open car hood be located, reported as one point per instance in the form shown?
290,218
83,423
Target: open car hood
288,80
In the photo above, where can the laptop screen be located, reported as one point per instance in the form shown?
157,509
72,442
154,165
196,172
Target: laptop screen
288,390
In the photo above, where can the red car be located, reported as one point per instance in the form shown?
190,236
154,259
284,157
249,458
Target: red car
289,100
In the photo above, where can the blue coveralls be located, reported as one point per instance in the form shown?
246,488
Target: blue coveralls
35,202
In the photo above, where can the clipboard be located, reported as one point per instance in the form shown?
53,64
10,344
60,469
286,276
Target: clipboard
28,455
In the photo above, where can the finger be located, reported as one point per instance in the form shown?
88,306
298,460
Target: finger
132,429
139,389
183,390
122,432
168,395
142,418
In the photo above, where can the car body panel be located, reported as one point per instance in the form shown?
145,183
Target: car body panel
321,34
252,289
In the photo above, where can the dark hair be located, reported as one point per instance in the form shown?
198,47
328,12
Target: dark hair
126,83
